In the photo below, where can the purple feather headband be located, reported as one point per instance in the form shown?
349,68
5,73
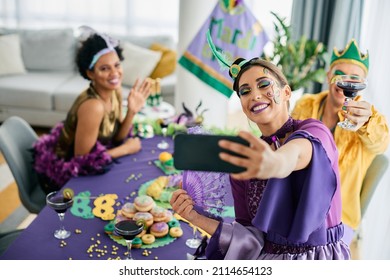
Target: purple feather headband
111,43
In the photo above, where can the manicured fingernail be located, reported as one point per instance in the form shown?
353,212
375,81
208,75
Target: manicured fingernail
345,103
344,108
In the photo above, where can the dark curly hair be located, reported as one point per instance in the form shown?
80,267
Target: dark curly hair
91,46
281,79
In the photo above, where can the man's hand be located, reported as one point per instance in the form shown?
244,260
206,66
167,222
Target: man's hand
358,112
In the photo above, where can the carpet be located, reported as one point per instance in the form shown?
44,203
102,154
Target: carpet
12,212
9,201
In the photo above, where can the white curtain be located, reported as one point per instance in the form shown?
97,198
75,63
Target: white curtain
375,37
116,16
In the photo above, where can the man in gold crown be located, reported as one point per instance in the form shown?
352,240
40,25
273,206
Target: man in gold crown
357,146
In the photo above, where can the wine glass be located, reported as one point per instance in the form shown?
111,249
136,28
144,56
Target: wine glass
193,242
163,145
351,85
129,229
60,203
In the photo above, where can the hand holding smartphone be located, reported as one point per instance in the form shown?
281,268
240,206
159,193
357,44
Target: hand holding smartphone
201,153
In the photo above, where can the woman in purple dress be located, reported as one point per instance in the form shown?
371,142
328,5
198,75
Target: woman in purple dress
287,202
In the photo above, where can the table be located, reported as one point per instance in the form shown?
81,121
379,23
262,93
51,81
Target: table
37,242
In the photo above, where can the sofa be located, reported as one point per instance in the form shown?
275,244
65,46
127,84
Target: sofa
39,80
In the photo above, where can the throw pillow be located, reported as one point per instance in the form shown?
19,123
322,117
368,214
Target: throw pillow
139,62
167,63
11,55
48,49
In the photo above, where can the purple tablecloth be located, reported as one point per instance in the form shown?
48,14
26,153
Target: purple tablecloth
37,241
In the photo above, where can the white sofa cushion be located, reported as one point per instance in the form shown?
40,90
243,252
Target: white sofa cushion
139,62
11,55
37,43
32,90
67,93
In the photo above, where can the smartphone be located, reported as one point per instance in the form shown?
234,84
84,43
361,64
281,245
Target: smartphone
201,153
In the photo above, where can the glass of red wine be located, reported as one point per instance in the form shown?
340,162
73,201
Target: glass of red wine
351,86
129,229
60,203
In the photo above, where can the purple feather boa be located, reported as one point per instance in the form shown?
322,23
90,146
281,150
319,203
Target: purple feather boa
60,171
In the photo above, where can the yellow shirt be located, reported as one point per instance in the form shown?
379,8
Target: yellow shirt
356,151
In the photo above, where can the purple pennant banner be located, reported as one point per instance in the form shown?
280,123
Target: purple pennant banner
236,32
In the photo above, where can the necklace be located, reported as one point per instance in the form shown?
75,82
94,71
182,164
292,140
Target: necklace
288,126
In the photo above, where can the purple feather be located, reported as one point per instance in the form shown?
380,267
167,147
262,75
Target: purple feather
60,171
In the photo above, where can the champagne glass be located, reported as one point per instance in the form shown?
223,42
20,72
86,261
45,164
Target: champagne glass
129,229
194,242
351,85
163,145
60,203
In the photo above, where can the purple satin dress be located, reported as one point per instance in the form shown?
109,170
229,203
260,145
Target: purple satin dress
297,217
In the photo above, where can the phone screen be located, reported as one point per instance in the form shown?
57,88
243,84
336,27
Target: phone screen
201,152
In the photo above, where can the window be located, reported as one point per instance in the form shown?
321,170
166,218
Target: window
117,16
113,16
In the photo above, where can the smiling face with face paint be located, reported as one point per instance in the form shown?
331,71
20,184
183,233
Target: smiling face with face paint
263,99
